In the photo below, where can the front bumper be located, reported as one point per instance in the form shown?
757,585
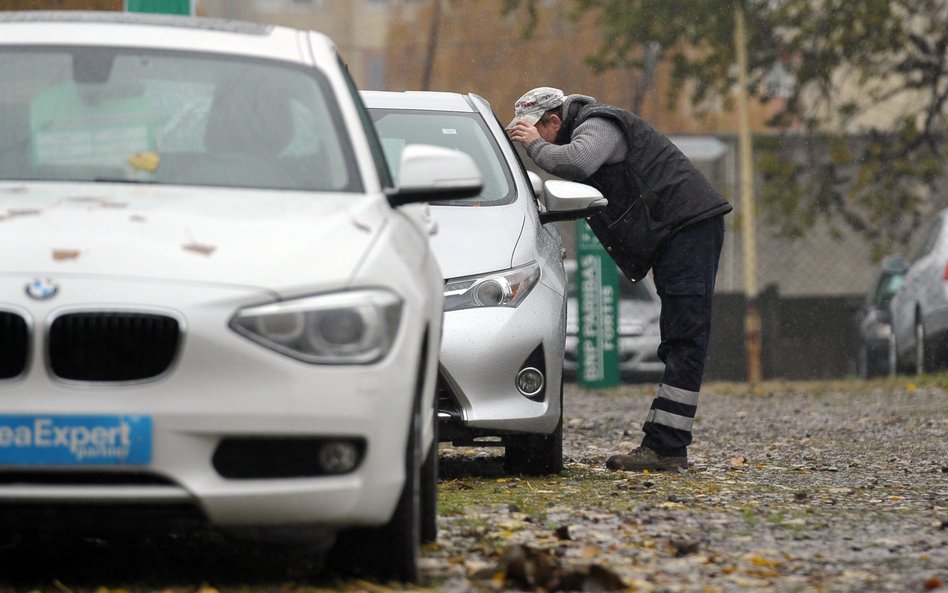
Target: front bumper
482,352
220,387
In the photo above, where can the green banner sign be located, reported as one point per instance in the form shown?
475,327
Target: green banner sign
160,6
597,288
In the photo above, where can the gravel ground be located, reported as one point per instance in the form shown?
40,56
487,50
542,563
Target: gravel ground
798,488
823,488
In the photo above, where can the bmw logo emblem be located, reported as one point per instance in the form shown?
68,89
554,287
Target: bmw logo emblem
42,289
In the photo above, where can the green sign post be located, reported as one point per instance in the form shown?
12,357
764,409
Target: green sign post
597,279
160,6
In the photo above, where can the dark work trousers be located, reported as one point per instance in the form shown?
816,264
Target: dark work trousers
684,277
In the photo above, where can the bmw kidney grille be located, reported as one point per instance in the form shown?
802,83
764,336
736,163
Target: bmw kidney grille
13,345
112,346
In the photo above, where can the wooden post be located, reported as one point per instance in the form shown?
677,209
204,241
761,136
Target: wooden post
752,323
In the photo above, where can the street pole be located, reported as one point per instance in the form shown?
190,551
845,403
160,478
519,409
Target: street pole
752,325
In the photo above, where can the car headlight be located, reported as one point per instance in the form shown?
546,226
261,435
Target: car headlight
357,327
498,289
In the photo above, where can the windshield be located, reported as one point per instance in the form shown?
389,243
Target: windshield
886,289
95,114
460,131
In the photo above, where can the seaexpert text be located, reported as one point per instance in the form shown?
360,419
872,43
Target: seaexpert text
81,441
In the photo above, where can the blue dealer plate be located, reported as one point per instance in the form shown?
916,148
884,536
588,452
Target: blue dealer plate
75,440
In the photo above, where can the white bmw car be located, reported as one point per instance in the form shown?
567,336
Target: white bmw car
213,298
505,286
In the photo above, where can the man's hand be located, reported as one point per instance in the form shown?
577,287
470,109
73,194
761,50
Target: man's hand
524,133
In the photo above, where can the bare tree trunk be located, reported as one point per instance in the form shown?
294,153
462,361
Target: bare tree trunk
652,53
432,45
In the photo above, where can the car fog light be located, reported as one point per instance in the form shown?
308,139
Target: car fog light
530,381
338,457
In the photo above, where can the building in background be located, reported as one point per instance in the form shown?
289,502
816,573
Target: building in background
358,27
470,46
61,4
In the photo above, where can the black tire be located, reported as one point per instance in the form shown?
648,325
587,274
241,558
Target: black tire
920,354
390,551
429,491
863,369
892,360
873,363
902,364
536,454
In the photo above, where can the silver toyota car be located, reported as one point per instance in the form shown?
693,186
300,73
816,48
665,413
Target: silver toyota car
500,381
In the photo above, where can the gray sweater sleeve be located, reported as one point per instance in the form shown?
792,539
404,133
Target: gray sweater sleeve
595,142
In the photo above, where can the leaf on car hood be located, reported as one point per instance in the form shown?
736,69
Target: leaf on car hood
199,248
65,254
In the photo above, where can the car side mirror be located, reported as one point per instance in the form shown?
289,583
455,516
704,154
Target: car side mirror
568,200
432,173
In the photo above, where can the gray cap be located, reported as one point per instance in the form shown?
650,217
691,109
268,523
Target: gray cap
534,103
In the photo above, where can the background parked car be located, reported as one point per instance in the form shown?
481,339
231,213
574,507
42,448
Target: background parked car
501,371
876,340
920,308
215,305
639,334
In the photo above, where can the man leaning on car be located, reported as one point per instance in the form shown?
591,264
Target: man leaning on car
662,215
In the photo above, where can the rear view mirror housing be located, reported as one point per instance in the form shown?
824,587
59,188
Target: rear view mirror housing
568,200
432,173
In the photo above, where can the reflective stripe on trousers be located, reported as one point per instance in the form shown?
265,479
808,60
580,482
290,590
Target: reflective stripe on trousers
673,408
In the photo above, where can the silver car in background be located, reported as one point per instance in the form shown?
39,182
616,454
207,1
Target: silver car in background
876,353
639,332
920,307
500,381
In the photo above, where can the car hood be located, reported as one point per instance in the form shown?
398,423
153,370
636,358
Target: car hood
473,240
267,239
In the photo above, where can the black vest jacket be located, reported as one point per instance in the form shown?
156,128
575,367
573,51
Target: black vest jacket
655,193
